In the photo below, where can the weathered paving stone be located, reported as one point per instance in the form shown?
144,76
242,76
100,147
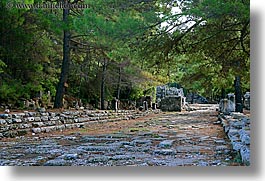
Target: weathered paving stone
204,138
44,118
236,124
189,148
122,157
202,163
4,116
2,121
4,128
37,124
29,119
17,120
9,121
22,132
36,130
234,138
52,114
165,152
23,126
70,156
122,143
245,139
220,142
245,121
57,162
245,136
237,145
37,119
98,159
220,148
166,144
55,118
245,154
233,132
156,162
101,148
137,141
139,149
216,162
89,139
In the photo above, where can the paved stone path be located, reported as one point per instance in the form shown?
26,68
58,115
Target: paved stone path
164,139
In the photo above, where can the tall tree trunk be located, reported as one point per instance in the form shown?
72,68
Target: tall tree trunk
238,95
223,93
119,84
58,103
102,87
168,68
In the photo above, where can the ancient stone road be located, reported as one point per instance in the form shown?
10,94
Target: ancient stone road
165,139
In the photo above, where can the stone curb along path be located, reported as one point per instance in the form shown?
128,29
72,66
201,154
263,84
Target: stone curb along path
19,124
237,128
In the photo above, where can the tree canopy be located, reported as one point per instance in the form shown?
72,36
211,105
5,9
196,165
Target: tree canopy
120,49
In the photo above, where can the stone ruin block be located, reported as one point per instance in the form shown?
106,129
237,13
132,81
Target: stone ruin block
231,97
166,91
154,106
194,98
149,101
145,102
247,100
171,104
226,106
170,98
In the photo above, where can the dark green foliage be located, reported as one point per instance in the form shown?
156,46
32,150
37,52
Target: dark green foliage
202,47
27,56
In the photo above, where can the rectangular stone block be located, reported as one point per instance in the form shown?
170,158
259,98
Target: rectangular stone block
171,104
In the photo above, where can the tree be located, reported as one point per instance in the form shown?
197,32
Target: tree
214,37
225,38
118,48
58,103
110,32
26,48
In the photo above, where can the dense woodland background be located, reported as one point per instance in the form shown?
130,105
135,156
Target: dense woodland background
123,49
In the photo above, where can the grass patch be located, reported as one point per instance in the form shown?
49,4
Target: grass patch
236,158
137,129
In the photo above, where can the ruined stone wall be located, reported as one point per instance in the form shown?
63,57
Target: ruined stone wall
171,104
19,124
237,128
247,100
166,91
226,106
